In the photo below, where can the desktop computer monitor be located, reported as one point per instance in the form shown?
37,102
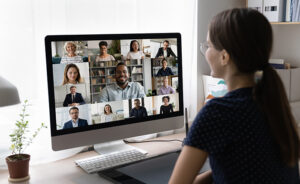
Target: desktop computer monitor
113,86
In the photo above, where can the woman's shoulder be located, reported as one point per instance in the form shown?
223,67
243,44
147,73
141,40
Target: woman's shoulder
107,58
220,104
68,60
111,57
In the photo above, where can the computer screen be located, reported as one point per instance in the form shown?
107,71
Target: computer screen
113,86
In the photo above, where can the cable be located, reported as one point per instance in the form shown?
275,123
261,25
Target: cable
170,140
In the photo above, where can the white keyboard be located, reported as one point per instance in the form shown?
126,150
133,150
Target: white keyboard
106,161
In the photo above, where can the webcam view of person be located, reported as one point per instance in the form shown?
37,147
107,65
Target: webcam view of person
72,75
73,98
71,57
166,89
166,108
138,111
135,52
164,71
165,51
108,114
104,56
122,89
75,121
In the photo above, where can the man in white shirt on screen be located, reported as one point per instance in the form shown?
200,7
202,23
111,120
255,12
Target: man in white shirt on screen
122,89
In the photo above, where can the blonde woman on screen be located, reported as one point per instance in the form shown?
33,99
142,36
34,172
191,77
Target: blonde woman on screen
71,57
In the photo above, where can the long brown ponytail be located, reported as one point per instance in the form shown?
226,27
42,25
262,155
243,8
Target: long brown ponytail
270,95
247,37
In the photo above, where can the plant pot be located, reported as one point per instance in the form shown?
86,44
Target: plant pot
18,167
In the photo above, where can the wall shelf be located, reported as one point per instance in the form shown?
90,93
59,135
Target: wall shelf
285,23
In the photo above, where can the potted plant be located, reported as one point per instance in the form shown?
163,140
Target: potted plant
18,161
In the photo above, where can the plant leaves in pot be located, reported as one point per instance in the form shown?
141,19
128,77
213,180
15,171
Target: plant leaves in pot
18,162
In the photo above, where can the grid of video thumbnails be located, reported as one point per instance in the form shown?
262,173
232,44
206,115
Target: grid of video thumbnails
103,81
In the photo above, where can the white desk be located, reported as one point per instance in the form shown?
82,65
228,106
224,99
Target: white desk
65,171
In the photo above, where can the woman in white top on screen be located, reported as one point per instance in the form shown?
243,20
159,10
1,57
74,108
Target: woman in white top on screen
72,75
135,52
71,57
108,115
104,56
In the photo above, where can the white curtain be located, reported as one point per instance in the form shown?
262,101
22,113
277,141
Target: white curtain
25,23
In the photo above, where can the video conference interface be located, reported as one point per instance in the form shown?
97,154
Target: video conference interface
104,81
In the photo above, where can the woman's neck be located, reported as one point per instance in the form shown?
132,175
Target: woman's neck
71,54
73,82
104,55
237,81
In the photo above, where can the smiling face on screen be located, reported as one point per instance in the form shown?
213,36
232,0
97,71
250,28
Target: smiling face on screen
72,75
71,48
122,75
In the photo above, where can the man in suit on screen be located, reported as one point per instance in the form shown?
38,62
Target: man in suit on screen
165,51
73,98
75,121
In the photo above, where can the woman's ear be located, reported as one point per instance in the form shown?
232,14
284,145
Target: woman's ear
224,57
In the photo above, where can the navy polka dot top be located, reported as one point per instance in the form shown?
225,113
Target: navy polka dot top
241,149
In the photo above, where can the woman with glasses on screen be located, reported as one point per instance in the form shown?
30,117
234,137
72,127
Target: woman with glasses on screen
135,52
108,114
249,135
104,56
71,57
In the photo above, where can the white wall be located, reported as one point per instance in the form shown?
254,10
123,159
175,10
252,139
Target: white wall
286,43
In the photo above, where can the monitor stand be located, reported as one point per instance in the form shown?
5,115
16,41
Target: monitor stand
114,146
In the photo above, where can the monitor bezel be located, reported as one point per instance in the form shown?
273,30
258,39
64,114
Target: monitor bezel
127,121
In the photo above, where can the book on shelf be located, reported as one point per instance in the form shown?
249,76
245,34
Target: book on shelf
136,70
288,11
101,72
295,10
94,81
277,10
97,89
279,64
274,10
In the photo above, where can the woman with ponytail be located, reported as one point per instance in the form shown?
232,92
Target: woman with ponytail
249,135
